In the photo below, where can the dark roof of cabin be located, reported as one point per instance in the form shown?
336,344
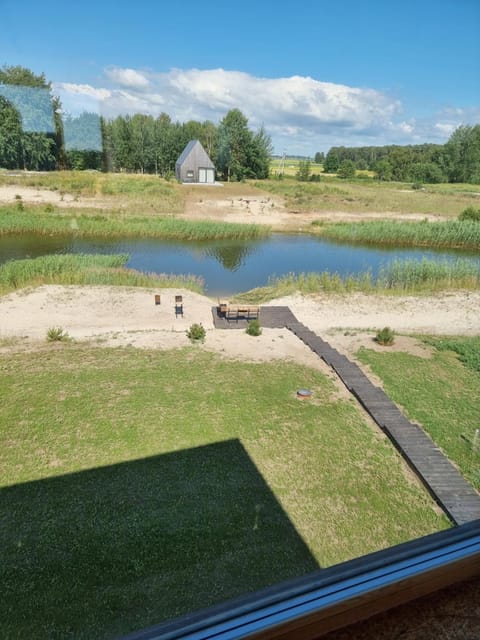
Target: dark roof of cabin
189,148
186,152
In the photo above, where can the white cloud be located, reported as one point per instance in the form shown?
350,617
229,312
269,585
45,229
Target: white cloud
127,77
301,114
445,128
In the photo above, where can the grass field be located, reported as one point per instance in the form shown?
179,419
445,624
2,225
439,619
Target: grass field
367,195
290,167
129,193
146,195
441,393
138,485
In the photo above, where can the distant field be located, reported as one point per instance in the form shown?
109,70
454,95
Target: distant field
130,475
334,194
290,167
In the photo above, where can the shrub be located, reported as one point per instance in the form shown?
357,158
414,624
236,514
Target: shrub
57,334
346,169
417,186
49,208
253,328
196,333
470,213
385,337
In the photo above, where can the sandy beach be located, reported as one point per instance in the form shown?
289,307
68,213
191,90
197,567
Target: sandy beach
120,316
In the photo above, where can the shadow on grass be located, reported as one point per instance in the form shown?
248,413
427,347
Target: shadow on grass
109,550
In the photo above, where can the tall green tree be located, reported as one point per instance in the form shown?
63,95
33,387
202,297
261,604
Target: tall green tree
241,153
332,161
10,136
84,141
40,112
383,170
463,154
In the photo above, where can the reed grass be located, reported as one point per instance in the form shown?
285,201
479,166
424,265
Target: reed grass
34,220
87,270
452,233
399,277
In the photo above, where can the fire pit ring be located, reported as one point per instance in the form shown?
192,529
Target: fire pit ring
304,394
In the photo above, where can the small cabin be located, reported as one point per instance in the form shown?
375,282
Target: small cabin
194,165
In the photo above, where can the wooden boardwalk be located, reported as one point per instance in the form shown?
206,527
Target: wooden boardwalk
270,317
448,487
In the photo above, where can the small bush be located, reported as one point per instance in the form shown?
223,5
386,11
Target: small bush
253,328
49,208
385,337
196,333
417,186
470,213
20,206
57,334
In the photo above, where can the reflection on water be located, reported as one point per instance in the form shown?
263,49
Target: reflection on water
232,256
227,266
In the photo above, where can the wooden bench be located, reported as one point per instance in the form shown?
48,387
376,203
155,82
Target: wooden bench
246,312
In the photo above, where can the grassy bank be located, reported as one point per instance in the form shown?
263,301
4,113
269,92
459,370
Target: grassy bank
452,233
37,220
86,269
123,485
400,277
441,393
334,194
129,193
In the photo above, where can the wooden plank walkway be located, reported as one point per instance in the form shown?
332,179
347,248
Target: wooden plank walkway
270,317
448,487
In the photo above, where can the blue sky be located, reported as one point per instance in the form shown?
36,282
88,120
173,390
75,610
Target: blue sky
315,73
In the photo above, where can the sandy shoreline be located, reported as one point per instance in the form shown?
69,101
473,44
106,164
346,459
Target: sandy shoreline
119,316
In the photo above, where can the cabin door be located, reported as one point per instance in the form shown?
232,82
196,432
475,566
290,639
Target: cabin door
206,175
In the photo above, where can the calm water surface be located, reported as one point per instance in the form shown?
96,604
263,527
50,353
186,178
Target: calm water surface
227,266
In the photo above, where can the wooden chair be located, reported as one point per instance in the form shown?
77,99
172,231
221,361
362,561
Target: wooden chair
178,306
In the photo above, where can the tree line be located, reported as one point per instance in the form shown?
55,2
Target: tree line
458,160
35,136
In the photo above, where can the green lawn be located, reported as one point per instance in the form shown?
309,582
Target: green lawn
138,485
441,393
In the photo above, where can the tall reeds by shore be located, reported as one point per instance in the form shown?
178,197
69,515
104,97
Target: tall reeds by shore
34,220
463,234
399,277
82,269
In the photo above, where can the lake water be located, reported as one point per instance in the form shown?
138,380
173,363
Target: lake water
227,266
